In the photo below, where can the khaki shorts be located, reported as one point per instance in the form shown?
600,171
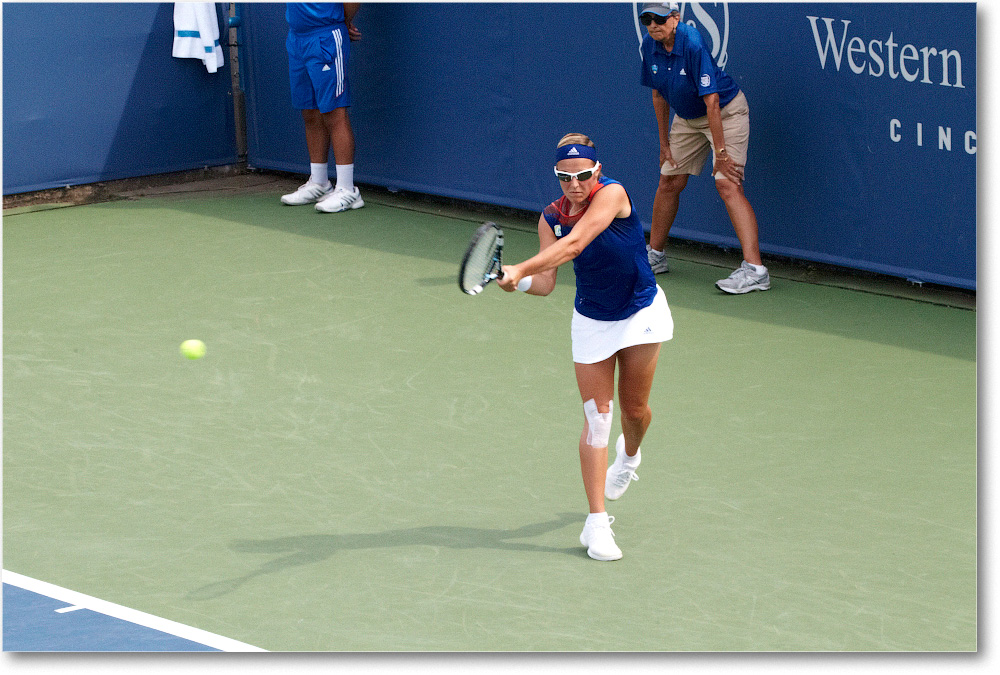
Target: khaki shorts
691,140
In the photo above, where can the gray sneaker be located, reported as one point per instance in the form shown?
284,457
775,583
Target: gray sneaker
657,260
744,280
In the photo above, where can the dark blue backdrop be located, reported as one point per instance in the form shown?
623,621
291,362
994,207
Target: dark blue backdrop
468,100
91,93
856,158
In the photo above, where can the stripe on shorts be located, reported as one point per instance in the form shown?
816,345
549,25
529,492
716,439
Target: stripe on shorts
338,38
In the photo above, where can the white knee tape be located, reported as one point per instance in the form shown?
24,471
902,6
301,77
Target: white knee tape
599,432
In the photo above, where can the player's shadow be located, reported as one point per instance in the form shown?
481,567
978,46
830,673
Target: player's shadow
308,549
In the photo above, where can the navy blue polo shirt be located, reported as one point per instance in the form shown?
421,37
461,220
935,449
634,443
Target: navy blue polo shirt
685,74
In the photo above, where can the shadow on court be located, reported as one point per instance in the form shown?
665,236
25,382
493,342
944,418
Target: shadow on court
314,548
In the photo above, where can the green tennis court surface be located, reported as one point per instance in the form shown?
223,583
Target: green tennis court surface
367,459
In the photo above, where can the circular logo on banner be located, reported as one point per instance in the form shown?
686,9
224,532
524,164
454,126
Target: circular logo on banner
711,18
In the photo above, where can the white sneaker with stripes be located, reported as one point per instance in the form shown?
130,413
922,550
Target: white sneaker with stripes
307,193
341,200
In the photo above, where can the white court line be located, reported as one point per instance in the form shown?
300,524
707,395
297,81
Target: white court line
79,600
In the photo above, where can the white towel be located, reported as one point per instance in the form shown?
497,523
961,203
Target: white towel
196,33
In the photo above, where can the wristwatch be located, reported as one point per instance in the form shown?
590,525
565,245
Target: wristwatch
721,152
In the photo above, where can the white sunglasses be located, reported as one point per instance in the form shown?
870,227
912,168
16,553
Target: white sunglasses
586,174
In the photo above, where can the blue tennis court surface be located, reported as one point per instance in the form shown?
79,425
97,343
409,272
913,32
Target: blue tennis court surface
42,617
35,623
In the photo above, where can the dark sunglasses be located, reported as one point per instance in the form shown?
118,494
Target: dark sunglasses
646,19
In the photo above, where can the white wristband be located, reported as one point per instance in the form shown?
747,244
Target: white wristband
524,284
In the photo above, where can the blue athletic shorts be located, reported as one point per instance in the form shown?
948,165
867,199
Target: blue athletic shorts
317,68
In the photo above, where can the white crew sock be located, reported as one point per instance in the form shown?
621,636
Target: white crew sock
319,174
759,269
345,177
601,517
632,461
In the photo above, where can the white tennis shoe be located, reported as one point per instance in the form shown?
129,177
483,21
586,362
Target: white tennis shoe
622,471
307,193
341,200
599,539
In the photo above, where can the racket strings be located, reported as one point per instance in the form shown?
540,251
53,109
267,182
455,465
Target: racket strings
481,261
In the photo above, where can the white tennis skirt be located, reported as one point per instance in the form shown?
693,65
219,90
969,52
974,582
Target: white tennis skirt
594,341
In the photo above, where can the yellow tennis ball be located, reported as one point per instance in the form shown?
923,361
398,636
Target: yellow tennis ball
193,349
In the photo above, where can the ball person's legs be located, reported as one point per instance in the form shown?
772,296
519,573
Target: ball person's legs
665,205
317,136
743,217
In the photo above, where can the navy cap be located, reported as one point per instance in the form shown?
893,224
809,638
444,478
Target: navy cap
660,8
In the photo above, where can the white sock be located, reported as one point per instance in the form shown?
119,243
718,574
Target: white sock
345,177
319,173
759,269
633,460
601,517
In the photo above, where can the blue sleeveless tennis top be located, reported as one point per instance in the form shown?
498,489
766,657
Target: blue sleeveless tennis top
613,277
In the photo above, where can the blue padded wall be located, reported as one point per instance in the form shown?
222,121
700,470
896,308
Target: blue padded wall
91,93
863,141
863,117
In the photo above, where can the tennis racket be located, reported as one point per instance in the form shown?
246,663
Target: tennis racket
482,261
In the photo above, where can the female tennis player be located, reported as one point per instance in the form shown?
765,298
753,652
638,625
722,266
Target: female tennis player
620,318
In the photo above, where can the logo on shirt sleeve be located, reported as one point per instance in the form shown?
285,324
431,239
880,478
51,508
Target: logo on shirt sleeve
706,80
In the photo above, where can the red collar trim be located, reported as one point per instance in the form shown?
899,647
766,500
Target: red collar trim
563,205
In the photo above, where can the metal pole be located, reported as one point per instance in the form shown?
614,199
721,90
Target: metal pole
239,103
